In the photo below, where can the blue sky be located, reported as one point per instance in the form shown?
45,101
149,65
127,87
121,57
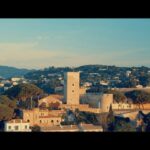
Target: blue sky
38,43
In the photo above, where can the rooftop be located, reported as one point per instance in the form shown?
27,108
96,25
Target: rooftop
73,128
17,121
49,116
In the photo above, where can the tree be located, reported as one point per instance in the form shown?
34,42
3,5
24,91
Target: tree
138,97
36,128
23,91
144,80
6,113
7,101
7,107
123,125
110,120
146,121
118,96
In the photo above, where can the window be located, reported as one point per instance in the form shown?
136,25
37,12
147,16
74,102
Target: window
26,127
16,128
28,120
52,121
72,90
40,121
9,127
57,120
72,84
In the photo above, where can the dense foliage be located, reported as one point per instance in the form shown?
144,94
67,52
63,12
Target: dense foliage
85,117
7,107
138,96
118,124
117,95
23,91
36,128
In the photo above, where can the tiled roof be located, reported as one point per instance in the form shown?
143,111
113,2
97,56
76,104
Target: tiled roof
49,116
17,121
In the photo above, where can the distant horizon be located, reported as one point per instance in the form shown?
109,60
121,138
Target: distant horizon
72,66
38,43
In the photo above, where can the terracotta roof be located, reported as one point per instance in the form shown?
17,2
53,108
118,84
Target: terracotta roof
53,97
17,121
49,116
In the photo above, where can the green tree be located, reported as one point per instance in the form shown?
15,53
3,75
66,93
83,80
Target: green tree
139,97
110,120
7,107
6,113
23,91
118,96
7,101
124,126
36,128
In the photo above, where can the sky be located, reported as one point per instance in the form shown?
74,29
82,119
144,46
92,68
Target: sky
40,43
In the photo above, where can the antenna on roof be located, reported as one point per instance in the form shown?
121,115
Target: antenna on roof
73,69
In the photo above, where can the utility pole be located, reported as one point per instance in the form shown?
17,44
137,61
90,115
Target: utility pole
31,103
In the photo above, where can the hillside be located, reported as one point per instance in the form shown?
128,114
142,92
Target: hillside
7,72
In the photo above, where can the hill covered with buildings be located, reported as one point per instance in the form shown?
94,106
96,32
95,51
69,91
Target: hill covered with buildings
95,77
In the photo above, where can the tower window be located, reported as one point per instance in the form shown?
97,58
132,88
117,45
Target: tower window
72,91
72,84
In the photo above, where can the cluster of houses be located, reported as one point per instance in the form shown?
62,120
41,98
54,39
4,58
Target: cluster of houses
6,84
75,97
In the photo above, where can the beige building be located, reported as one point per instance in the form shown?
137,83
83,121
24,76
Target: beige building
71,88
106,101
83,90
42,117
54,98
17,125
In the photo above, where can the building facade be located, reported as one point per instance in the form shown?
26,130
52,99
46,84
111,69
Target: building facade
71,88
17,125
53,98
42,117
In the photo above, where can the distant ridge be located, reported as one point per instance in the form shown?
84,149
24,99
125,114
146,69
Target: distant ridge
8,72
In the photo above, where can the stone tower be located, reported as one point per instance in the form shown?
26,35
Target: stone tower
71,88
106,101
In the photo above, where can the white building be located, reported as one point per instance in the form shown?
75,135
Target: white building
139,86
87,84
16,79
15,83
17,125
104,82
1,84
128,73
